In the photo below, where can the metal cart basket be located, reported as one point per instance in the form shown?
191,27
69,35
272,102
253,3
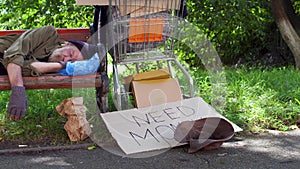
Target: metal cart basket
144,34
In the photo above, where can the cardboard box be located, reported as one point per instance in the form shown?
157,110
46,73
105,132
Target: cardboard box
154,92
152,88
173,4
136,7
152,75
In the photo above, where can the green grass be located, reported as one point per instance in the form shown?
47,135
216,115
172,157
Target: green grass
41,121
259,99
253,99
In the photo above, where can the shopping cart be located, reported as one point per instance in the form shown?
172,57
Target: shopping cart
144,35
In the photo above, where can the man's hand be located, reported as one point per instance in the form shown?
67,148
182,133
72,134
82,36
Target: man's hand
18,103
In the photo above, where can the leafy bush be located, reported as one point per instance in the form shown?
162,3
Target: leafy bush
18,14
238,29
296,6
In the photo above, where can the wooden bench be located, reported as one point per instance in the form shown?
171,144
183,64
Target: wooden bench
55,81
82,34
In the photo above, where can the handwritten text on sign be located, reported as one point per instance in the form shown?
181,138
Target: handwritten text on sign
140,130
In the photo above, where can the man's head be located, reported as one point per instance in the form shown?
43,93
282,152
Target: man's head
73,51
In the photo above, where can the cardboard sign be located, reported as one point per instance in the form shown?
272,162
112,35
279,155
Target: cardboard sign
170,4
152,128
136,7
92,2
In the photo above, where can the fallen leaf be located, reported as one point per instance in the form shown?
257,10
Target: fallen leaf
91,147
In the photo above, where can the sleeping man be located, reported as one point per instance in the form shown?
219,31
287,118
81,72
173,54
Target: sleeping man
36,52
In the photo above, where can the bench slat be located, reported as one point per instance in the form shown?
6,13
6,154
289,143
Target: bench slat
74,34
54,82
82,34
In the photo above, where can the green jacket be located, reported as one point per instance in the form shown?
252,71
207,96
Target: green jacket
31,46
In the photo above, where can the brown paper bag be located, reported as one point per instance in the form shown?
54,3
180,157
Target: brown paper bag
77,127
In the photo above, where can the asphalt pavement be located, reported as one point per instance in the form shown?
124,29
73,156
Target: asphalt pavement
275,150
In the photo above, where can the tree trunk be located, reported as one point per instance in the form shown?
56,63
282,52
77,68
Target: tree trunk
289,26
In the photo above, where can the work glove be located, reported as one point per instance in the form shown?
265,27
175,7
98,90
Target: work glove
18,103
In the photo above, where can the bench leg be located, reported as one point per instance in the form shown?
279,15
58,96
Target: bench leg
102,94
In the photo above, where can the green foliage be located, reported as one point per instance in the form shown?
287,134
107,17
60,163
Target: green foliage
238,29
17,14
296,6
257,99
41,120
263,99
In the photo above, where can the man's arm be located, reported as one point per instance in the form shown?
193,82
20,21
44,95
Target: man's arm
18,101
47,67
14,74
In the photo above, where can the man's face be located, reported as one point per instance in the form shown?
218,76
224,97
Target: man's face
71,53
66,53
